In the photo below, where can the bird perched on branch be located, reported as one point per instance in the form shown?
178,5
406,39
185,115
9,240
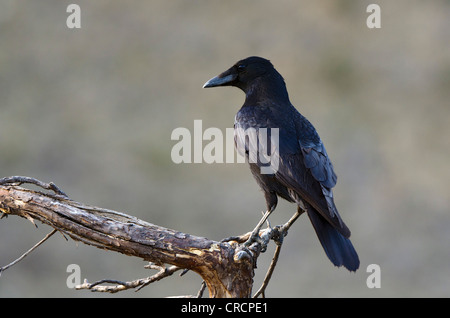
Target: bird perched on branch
297,166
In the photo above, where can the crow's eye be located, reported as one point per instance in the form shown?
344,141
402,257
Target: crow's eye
241,67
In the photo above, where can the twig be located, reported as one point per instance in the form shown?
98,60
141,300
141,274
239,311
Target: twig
262,289
138,283
27,252
202,289
18,180
279,233
163,272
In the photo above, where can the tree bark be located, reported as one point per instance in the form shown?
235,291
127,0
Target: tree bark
227,268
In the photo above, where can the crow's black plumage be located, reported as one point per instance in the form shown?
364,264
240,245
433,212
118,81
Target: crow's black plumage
304,174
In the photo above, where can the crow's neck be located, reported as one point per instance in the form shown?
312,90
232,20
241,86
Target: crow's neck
267,89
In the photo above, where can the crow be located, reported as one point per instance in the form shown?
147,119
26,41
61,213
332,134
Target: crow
303,174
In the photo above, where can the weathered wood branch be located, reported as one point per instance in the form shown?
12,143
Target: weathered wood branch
226,267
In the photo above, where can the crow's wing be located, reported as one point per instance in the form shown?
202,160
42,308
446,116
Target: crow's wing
302,163
309,172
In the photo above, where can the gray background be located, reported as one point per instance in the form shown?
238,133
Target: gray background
93,110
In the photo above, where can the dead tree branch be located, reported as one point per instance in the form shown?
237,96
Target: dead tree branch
226,267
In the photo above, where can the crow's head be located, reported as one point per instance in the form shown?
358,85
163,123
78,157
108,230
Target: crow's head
245,73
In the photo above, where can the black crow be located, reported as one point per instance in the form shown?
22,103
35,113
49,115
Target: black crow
303,173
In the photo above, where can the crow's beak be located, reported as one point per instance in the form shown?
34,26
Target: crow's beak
221,80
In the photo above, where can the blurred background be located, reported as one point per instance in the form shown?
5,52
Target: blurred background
93,109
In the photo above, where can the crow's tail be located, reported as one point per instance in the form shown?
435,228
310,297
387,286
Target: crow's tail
338,248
